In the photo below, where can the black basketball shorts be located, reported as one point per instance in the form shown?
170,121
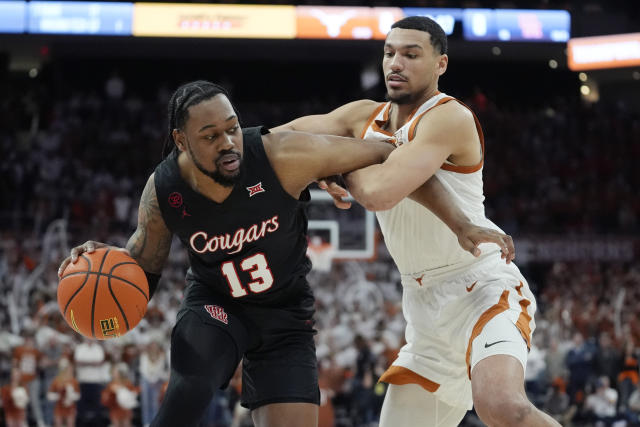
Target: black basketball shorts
276,342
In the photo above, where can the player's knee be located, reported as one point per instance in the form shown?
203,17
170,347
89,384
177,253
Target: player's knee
503,410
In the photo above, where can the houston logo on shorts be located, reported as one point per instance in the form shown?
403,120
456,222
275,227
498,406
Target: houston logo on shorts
217,313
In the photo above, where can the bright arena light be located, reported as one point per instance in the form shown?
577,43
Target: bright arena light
612,51
553,64
582,77
584,89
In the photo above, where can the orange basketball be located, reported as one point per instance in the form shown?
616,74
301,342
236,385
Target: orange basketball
104,294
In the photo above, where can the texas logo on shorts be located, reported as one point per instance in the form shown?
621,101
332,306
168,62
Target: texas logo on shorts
217,313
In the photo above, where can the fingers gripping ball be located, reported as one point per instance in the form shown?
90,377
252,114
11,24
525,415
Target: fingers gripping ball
104,294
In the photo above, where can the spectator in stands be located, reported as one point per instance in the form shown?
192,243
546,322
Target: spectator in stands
153,373
14,401
363,382
579,362
535,372
633,414
27,358
91,372
628,376
557,402
64,392
53,350
120,396
601,404
326,415
555,361
607,359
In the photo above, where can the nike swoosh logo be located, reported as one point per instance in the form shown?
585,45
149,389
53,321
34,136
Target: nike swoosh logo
487,345
470,288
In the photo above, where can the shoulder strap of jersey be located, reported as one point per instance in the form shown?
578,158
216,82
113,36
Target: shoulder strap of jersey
371,118
416,120
472,168
449,166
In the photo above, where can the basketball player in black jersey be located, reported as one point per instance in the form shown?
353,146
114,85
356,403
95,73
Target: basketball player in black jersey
235,199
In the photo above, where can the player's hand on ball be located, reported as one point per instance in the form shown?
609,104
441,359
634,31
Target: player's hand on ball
89,246
472,235
104,294
331,186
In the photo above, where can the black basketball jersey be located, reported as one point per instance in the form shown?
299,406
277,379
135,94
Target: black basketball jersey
251,246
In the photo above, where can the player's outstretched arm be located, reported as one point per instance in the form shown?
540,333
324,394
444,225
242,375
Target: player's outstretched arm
346,120
300,158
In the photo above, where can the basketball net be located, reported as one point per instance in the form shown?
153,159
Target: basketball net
321,254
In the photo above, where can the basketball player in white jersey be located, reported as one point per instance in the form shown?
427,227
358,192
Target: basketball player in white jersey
469,319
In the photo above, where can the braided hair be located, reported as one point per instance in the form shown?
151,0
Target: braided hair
188,95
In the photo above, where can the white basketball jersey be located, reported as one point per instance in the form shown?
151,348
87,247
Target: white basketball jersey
419,242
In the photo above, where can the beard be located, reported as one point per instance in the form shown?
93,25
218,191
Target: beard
405,98
216,175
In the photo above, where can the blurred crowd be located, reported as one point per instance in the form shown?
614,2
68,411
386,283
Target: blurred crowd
583,181
85,157
582,367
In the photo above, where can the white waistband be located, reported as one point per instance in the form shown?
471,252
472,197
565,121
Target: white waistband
470,271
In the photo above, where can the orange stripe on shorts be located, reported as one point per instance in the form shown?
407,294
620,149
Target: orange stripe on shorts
490,313
524,320
399,375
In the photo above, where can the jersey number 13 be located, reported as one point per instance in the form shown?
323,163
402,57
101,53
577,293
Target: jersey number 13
259,270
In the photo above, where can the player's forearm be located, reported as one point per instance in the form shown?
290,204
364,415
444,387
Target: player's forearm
336,154
382,186
435,197
366,186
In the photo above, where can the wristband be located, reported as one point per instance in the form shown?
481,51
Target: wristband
152,280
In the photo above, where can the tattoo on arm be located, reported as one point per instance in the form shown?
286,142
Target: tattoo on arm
137,242
151,242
